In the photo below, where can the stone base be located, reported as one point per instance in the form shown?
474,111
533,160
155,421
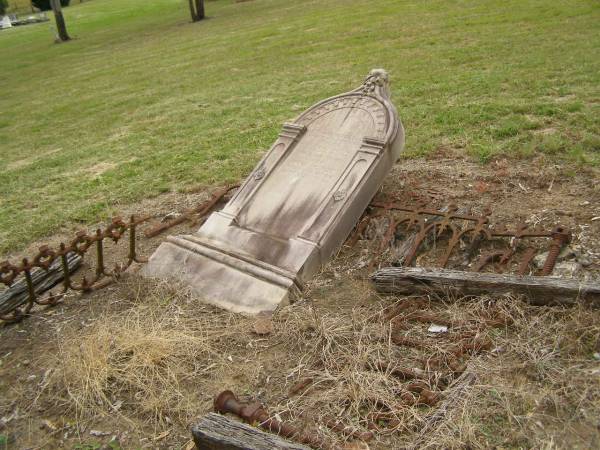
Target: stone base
230,281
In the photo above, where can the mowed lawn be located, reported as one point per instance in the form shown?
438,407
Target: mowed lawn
142,101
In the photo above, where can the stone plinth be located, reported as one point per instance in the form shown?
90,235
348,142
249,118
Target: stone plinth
296,208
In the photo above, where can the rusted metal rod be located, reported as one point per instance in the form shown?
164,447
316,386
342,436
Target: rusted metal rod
227,402
339,427
401,373
560,238
526,260
199,211
408,342
391,421
300,386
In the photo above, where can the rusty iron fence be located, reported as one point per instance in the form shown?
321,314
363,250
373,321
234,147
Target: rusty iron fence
22,278
438,363
418,223
452,229
47,256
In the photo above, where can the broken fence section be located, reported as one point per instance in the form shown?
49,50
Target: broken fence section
27,280
433,371
457,236
48,257
415,226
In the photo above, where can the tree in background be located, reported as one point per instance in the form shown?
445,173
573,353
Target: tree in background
61,27
196,9
3,7
44,5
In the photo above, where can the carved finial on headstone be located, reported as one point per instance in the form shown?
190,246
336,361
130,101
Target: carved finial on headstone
377,83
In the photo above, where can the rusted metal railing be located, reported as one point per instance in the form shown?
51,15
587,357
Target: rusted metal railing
61,261
80,245
423,222
473,230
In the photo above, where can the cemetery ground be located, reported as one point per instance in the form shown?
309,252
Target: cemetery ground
138,362
143,112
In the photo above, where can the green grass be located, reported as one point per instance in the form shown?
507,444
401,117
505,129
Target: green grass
143,102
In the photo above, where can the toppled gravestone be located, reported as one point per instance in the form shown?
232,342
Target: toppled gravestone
296,208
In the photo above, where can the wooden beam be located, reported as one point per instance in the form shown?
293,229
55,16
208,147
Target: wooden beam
537,290
217,432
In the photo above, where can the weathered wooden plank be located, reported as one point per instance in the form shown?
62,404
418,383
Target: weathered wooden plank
43,280
217,432
538,290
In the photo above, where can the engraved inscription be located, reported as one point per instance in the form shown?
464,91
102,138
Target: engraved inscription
317,160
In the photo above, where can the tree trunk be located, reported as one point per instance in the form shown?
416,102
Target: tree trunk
199,9
196,9
61,27
193,11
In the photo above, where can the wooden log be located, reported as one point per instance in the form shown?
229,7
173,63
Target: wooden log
537,290
217,432
43,280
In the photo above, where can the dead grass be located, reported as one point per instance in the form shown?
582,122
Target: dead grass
137,363
158,357
541,389
160,361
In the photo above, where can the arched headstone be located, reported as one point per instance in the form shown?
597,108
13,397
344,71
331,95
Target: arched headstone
296,208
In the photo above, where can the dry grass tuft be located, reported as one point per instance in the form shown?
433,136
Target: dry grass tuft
137,362
538,386
143,355
338,352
